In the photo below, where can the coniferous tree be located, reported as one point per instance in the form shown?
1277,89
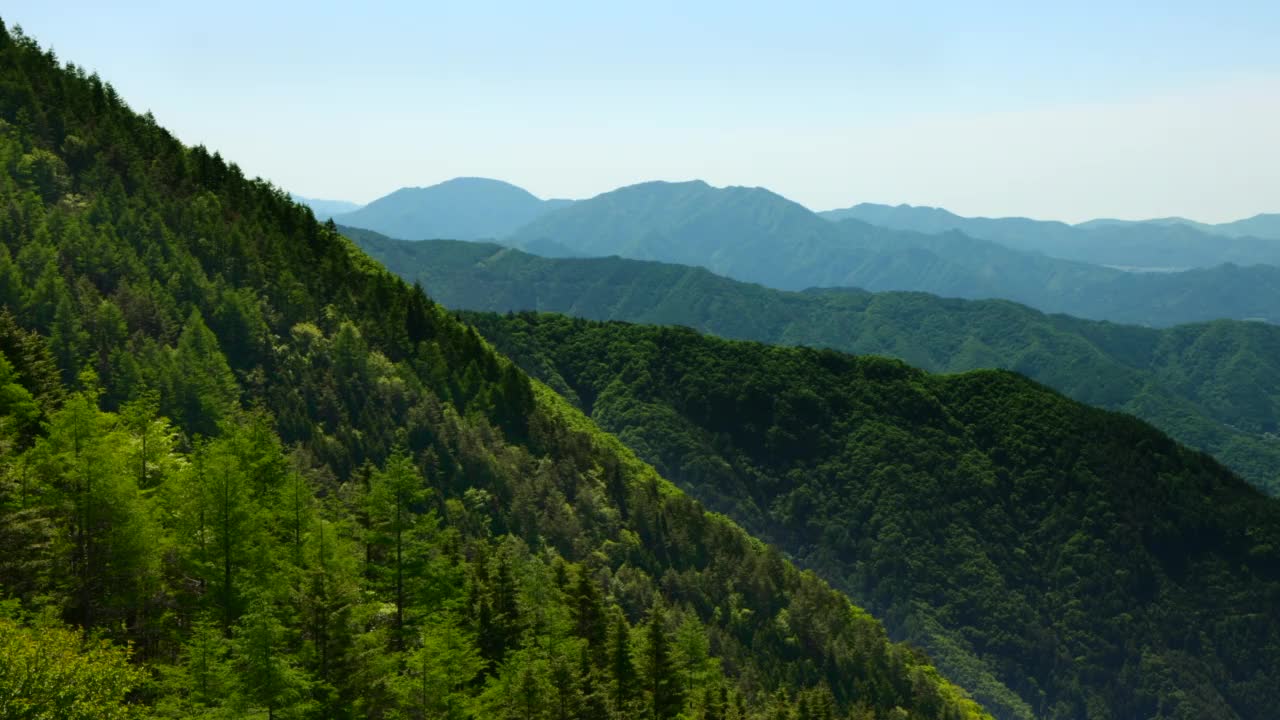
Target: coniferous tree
622,670
662,682
396,495
265,677
203,391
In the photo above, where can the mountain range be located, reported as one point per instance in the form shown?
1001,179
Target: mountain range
1211,385
1168,244
754,235
1264,225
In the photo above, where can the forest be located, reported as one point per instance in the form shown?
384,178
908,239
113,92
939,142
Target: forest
1057,560
247,472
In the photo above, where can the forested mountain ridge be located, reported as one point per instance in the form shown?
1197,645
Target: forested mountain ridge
1213,386
460,209
270,479
1061,561
1174,243
754,235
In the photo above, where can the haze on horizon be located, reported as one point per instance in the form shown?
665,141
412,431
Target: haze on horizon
1071,113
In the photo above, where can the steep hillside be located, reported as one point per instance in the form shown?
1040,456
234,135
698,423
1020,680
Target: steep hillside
461,209
1167,244
297,488
1061,561
1214,386
753,235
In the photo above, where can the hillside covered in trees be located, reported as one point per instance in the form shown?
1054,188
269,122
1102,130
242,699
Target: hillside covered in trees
1214,386
247,472
1058,560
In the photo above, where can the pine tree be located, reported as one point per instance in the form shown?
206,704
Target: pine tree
438,672
666,698
396,495
694,651
621,668
204,389
266,678
590,622
205,661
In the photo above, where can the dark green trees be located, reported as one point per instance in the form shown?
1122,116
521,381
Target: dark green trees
1039,549
666,691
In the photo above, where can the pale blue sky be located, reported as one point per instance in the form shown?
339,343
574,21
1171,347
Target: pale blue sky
1062,110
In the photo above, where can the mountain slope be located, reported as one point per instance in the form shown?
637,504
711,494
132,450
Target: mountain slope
1075,559
462,209
753,235
1212,386
1172,243
298,488
1265,225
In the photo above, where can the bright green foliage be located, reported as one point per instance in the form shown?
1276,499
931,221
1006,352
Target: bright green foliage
396,502
265,675
1214,386
109,558
301,489
1050,556
53,673
440,670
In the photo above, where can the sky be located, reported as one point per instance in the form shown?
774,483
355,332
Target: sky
1067,111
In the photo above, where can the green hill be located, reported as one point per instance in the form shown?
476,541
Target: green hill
247,472
753,235
462,208
1059,561
1214,386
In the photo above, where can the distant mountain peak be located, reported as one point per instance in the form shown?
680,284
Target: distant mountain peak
462,208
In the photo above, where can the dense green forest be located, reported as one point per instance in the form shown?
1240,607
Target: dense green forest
247,472
754,235
1214,386
1169,243
1059,560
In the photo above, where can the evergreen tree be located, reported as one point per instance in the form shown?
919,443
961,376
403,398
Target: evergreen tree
396,496
204,392
621,667
438,673
662,682
265,677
